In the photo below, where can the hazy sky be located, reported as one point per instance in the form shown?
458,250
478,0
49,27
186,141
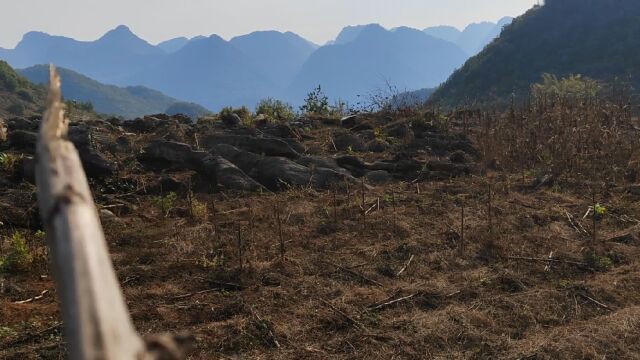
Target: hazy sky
317,20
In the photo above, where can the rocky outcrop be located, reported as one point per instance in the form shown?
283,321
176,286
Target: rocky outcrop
256,145
221,172
161,154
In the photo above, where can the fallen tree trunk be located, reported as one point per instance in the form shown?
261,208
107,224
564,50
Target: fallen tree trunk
97,324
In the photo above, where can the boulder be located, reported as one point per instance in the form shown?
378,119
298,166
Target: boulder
316,162
223,173
171,155
22,140
451,169
348,142
349,121
354,164
256,145
400,131
231,120
22,124
324,178
377,146
244,160
459,157
96,165
379,177
366,135
277,172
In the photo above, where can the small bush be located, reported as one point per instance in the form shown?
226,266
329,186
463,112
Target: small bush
166,203
275,110
19,257
243,113
316,103
8,161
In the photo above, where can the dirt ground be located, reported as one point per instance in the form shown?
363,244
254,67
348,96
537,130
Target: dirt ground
402,274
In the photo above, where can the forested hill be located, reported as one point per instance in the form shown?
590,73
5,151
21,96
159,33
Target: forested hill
594,38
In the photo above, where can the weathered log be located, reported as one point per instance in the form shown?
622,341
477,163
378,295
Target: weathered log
96,320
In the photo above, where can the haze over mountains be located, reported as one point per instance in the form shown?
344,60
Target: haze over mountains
215,73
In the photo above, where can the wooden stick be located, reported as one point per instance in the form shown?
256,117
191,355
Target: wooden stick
356,274
264,325
595,301
389,303
351,320
97,322
405,266
35,298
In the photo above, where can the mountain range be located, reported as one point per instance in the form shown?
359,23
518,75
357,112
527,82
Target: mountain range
474,37
215,73
593,38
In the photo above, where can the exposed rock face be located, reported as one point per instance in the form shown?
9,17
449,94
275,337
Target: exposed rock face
171,155
379,177
377,146
223,173
23,140
256,145
348,142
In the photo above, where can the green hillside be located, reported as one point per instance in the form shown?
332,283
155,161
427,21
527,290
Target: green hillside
129,102
18,97
595,38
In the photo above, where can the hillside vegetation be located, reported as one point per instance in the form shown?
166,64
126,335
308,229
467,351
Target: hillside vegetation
595,38
18,96
128,102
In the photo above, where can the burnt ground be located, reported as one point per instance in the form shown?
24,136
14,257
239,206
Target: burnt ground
393,284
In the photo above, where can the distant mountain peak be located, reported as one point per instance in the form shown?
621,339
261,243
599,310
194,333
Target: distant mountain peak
119,33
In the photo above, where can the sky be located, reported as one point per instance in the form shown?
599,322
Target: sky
316,20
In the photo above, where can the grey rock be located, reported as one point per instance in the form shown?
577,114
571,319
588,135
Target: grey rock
349,121
222,172
231,120
169,154
244,160
377,146
348,142
379,177
22,140
256,145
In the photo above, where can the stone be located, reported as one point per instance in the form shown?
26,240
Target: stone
23,140
231,120
171,155
379,177
223,173
256,145
348,142
377,146
349,121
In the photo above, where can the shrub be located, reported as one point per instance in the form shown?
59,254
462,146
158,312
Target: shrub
166,202
276,110
19,258
8,161
25,95
316,103
17,108
243,113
